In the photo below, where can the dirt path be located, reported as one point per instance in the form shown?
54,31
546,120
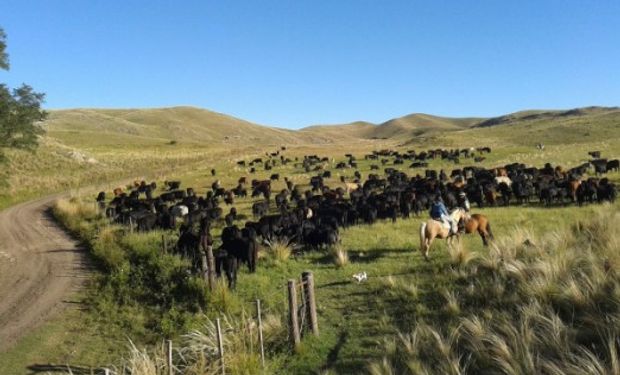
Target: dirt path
40,265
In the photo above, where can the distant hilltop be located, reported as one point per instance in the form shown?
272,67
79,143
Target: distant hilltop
196,125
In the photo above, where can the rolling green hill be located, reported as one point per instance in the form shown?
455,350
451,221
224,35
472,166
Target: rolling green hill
189,125
161,125
397,128
549,115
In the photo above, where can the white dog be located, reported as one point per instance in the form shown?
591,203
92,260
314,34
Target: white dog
360,277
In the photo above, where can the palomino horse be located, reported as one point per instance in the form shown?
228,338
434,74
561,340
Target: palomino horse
478,223
432,229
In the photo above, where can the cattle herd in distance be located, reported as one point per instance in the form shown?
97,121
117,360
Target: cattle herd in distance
312,217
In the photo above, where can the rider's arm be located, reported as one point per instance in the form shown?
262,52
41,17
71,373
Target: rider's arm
444,210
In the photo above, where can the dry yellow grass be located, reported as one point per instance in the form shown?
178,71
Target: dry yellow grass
340,256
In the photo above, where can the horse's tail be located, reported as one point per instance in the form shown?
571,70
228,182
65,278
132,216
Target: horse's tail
489,230
423,237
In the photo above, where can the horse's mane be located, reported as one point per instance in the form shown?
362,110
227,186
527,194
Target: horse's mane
455,210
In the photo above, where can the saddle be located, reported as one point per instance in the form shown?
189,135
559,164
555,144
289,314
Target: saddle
444,224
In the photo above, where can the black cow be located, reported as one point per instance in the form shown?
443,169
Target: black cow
595,154
600,166
231,217
613,165
188,246
260,209
606,191
172,185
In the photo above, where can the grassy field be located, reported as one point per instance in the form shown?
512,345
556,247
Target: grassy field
354,318
357,320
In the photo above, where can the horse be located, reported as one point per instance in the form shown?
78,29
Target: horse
478,223
432,229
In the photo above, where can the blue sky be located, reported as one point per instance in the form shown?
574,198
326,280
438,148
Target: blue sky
296,63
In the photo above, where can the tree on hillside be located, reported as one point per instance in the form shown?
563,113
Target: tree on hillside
20,111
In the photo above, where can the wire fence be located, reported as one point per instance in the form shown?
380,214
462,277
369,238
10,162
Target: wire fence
302,321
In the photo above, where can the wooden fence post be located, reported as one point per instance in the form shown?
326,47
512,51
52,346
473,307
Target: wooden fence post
169,351
303,309
260,332
205,266
130,225
311,301
220,345
211,267
292,310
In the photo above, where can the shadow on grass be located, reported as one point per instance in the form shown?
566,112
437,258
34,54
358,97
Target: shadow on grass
332,357
76,370
334,283
359,256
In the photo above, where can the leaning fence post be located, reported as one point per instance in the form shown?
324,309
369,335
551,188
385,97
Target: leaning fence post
205,266
292,310
211,267
220,345
260,332
303,308
169,356
311,301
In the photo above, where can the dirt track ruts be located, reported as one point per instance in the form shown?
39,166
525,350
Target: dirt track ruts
40,265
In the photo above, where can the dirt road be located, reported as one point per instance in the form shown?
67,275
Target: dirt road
40,265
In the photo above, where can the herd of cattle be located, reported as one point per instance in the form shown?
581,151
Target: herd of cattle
312,215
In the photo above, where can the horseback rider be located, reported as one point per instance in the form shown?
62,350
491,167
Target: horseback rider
463,201
440,213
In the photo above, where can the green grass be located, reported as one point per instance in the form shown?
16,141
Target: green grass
545,307
73,337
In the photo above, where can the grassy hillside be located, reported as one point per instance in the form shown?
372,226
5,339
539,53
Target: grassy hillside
397,128
419,123
161,125
358,129
98,145
546,115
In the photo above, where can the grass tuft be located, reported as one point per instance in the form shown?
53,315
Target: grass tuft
279,250
340,256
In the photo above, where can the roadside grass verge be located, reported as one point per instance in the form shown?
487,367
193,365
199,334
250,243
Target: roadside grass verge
145,290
